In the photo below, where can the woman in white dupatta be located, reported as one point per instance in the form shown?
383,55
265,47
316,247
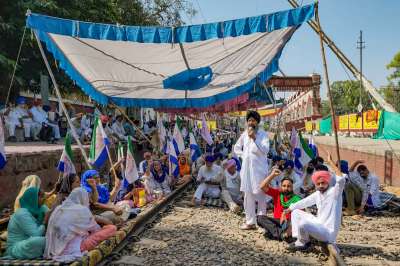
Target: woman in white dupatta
73,230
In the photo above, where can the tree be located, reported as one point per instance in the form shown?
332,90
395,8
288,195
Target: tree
30,65
346,97
392,91
325,108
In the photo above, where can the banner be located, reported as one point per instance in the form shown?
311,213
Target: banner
309,126
212,124
355,122
344,122
371,119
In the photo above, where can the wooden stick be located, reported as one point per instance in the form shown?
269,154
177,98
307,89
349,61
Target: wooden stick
327,82
111,165
74,134
133,124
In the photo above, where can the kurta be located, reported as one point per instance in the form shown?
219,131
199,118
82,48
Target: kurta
25,237
329,205
368,186
255,162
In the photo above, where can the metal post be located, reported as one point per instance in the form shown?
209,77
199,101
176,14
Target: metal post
327,82
74,134
361,46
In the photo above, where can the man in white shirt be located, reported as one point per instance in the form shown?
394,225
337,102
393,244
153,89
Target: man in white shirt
362,185
328,199
253,146
20,117
143,165
231,187
40,117
209,177
118,128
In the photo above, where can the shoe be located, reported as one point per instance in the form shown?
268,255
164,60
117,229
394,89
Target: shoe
293,248
28,139
248,227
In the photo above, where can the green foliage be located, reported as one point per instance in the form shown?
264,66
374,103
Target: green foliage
30,65
392,91
325,108
346,97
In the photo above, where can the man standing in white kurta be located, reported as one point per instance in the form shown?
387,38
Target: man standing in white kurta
253,147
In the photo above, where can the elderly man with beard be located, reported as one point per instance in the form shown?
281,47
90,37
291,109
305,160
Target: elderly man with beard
253,147
209,179
328,199
278,227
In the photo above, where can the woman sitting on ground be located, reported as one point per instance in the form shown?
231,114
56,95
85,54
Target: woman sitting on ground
72,229
184,170
34,181
25,229
156,180
106,212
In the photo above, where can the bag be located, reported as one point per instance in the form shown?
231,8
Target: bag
46,133
139,195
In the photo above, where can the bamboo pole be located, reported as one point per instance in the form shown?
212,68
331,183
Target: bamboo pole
74,134
130,121
327,82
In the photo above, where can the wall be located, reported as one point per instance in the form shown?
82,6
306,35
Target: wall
374,162
42,164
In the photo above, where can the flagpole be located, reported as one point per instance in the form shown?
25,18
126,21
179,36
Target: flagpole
75,135
111,164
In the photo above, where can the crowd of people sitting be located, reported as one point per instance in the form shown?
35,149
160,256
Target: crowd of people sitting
44,123
83,210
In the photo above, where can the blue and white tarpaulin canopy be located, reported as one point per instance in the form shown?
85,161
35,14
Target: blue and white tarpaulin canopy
184,67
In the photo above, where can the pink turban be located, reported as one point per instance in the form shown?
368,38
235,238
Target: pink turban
325,175
230,163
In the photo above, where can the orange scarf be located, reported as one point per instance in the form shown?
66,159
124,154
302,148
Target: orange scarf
184,169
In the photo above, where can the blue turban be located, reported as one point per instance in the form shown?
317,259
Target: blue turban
344,166
210,158
21,100
104,194
289,163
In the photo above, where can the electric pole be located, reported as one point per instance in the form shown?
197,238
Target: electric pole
361,46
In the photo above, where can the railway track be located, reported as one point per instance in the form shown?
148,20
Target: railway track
174,233
171,232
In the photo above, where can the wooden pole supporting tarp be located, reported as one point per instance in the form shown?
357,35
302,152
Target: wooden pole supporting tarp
327,83
74,134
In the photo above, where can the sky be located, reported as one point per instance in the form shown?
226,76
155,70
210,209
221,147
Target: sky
341,20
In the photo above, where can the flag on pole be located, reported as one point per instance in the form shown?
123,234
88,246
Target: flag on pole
120,151
195,151
173,159
313,146
3,159
66,165
98,147
131,172
302,153
177,139
205,131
